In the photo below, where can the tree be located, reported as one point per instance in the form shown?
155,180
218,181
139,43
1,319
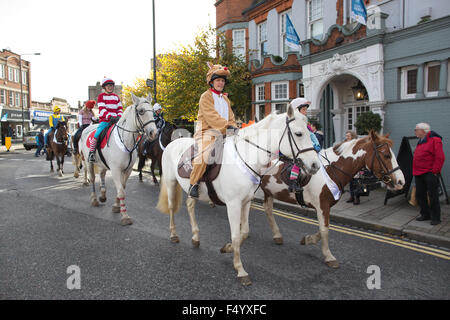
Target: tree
139,89
368,121
181,77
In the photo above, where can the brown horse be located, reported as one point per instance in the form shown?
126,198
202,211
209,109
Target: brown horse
155,150
57,146
341,163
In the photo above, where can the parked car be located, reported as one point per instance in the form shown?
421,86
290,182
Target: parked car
29,141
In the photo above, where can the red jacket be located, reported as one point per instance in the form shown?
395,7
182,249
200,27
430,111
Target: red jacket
429,155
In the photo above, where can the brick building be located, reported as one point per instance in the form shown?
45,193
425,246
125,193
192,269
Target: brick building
398,63
15,96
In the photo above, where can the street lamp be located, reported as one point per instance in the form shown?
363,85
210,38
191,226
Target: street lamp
154,53
359,91
21,88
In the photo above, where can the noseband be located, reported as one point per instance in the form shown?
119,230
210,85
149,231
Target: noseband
292,143
385,172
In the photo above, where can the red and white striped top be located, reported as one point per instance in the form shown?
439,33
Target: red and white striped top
109,105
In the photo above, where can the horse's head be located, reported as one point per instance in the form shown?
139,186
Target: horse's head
296,142
143,115
61,133
381,161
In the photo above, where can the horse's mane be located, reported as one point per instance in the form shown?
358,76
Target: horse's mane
262,124
347,146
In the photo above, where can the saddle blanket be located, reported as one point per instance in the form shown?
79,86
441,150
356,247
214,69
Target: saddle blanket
334,189
229,146
104,140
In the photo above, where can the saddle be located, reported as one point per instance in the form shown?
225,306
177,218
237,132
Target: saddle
212,169
102,140
302,180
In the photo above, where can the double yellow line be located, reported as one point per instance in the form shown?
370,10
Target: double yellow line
380,238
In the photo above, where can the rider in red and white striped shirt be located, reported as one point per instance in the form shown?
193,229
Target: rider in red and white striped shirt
110,108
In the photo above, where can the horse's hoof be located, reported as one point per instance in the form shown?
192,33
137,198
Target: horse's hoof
332,264
174,239
102,199
227,248
95,203
278,240
115,209
195,243
245,280
212,205
126,221
303,241
51,170
76,175
85,184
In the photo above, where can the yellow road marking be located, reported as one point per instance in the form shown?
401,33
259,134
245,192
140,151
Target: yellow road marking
397,242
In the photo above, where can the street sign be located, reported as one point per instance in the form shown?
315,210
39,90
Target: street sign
149,83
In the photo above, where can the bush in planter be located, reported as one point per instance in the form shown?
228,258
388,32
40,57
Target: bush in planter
277,59
367,121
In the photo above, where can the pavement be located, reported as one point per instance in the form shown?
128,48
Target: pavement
14,147
397,217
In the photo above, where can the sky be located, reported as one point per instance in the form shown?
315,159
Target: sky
82,41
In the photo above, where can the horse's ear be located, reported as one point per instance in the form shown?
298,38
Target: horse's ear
373,135
387,135
149,98
134,98
290,112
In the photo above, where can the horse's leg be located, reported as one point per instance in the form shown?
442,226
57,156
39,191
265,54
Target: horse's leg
268,208
323,217
244,221
102,198
58,162
234,218
76,160
190,203
119,181
152,167
91,170
61,166
140,166
85,169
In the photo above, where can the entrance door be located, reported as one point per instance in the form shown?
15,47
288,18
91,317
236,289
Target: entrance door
326,117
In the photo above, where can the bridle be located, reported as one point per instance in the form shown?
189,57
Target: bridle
385,172
64,134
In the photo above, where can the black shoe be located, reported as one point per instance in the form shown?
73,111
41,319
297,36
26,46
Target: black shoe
91,157
433,222
193,191
350,200
356,201
422,218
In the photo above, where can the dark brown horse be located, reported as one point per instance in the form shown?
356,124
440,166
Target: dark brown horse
155,150
57,146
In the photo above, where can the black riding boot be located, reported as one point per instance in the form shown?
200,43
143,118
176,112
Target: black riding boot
193,191
294,186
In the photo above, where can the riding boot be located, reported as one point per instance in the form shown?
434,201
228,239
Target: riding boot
294,186
193,190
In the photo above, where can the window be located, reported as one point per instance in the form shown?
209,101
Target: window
10,74
17,99
353,114
24,77
10,98
408,82
262,39
280,91
260,92
315,19
239,43
2,96
260,112
283,47
432,73
279,107
301,90
25,100
16,75
2,71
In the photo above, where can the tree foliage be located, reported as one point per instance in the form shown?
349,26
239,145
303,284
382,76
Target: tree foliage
181,77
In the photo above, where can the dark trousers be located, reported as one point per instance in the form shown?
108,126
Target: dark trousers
38,151
428,183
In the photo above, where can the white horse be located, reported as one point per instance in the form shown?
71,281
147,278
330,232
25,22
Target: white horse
120,152
255,145
342,163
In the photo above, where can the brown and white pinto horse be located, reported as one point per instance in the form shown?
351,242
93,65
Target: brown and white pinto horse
346,159
57,146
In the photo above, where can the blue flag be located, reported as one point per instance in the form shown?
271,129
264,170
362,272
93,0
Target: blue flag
292,38
359,12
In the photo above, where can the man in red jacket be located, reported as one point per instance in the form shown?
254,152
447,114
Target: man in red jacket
427,165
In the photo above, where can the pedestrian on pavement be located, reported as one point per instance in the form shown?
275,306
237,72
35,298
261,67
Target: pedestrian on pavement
354,197
317,133
39,142
427,165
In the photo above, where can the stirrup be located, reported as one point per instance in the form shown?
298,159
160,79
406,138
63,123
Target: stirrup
91,157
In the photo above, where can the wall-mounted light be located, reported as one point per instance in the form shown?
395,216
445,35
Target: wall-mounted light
359,91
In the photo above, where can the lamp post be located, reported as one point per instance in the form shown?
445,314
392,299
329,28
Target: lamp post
21,87
154,53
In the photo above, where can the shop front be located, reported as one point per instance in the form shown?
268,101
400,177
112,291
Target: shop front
12,124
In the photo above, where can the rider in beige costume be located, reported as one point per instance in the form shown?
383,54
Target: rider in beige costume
214,118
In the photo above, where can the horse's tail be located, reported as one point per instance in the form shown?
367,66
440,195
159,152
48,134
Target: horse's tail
165,205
